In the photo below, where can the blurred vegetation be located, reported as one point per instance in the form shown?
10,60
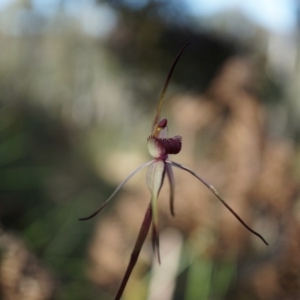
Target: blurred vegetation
76,106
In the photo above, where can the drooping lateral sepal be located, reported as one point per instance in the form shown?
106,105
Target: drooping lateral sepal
155,242
170,175
215,192
136,250
155,178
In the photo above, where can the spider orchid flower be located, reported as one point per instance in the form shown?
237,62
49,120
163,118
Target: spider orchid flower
160,147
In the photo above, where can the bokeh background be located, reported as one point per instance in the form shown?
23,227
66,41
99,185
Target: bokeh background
79,83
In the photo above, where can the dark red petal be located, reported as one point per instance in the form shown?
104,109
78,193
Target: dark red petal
172,145
159,147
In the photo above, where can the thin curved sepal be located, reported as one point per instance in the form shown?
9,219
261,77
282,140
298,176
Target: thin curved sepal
170,175
136,250
215,192
117,189
163,93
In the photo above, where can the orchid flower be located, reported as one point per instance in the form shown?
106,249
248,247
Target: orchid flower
160,147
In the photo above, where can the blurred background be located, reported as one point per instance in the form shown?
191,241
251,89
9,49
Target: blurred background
79,83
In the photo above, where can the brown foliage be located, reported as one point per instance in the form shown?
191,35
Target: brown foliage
21,274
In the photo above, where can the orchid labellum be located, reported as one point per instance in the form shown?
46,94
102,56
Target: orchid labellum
160,147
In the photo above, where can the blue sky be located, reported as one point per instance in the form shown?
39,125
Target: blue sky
275,15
